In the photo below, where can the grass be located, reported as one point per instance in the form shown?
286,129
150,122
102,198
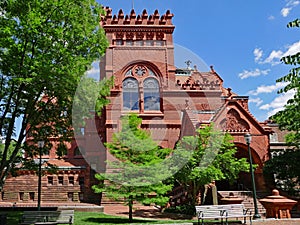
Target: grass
93,218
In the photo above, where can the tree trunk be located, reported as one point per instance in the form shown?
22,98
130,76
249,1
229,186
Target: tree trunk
130,204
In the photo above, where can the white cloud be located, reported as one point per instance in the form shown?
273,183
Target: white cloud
258,54
285,11
271,17
94,72
267,88
278,103
291,4
275,55
256,101
292,49
254,73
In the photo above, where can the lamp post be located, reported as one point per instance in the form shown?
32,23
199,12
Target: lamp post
248,138
40,146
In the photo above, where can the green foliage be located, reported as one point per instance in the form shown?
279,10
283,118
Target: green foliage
287,173
90,98
9,153
137,175
288,119
212,159
295,23
46,47
182,209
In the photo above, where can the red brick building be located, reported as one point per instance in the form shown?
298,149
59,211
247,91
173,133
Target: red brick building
172,102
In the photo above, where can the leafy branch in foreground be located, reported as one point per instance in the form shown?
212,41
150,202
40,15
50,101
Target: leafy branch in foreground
46,47
138,173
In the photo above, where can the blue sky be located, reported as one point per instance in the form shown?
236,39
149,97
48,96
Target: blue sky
243,40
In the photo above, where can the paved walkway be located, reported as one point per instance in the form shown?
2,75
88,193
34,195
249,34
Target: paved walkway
151,212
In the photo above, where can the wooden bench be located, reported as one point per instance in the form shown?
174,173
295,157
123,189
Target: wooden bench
47,217
209,212
222,212
237,211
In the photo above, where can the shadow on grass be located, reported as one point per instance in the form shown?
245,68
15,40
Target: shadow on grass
117,220
140,221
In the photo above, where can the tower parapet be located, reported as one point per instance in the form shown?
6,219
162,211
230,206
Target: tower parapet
121,19
155,27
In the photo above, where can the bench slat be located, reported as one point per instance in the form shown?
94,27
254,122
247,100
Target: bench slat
222,212
62,217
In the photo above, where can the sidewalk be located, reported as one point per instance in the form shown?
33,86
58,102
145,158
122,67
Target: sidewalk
151,212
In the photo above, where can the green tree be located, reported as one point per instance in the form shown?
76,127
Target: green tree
212,159
138,171
46,48
288,119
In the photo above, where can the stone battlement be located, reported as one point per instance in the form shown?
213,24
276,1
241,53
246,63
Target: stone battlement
133,19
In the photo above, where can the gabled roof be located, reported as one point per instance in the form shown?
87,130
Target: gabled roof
240,105
244,119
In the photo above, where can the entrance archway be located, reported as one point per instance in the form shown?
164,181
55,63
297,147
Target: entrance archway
243,183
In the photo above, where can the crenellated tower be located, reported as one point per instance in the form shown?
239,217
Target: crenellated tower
139,39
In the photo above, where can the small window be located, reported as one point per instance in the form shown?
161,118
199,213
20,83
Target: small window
60,180
274,137
129,43
31,196
80,194
139,43
149,43
21,196
119,42
159,43
70,196
71,180
50,180
81,182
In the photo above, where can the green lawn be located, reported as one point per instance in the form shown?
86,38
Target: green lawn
93,218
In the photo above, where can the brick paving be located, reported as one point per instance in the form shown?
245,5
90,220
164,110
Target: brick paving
151,212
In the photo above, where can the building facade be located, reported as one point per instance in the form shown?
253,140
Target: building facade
173,102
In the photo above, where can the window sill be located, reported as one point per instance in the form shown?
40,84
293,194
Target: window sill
144,114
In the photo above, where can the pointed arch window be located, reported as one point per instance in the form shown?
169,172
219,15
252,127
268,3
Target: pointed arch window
130,94
141,90
151,94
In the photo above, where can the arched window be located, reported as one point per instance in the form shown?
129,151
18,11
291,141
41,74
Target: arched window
151,94
141,90
130,94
